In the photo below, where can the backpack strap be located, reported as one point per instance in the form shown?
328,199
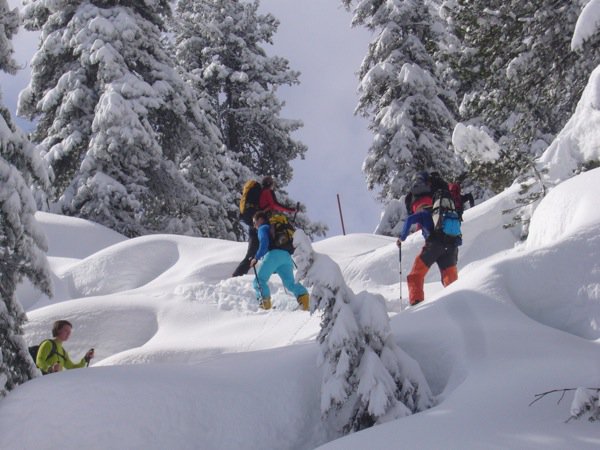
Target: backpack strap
54,350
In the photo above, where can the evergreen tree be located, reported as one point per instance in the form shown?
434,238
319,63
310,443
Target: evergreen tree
411,113
220,43
219,46
22,244
367,378
123,135
518,78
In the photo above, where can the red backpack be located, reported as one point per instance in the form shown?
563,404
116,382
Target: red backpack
455,193
424,201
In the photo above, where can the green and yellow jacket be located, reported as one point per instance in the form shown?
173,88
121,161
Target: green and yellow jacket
47,357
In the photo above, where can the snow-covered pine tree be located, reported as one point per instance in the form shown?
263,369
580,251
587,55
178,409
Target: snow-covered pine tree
367,378
220,42
411,113
116,123
518,78
22,243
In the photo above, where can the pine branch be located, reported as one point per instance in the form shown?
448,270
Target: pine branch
588,406
543,394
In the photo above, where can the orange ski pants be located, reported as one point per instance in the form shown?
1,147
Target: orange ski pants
444,255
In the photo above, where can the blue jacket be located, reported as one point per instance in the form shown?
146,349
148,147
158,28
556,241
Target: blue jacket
264,240
422,218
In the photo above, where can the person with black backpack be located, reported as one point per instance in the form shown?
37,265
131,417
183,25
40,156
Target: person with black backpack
440,226
420,187
275,254
52,357
437,183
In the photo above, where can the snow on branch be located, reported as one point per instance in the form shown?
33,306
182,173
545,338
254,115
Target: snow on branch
587,24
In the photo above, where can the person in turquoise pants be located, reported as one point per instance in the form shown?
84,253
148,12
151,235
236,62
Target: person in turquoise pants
274,261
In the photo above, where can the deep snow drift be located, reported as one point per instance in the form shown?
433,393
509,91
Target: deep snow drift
186,360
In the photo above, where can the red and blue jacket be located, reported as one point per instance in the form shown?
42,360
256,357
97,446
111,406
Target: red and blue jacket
423,218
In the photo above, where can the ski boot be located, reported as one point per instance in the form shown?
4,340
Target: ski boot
303,301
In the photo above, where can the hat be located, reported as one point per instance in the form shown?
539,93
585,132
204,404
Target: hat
267,181
423,175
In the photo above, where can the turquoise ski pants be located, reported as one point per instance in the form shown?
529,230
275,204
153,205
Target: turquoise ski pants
279,262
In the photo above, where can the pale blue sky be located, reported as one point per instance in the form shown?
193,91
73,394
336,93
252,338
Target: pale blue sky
317,39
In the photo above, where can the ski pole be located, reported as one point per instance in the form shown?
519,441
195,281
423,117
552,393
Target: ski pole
341,215
258,284
87,361
294,223
400,265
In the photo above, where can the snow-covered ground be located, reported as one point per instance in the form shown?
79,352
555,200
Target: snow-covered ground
186,360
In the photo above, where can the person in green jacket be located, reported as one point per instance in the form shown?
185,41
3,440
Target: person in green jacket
52,357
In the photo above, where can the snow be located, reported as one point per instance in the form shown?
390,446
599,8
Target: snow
565,212
186,360
577,143
473,143
587,24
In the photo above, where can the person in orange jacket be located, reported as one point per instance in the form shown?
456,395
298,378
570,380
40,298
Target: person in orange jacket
267,201
439,248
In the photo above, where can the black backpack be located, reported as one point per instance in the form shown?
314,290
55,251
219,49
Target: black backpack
446,220
282,233
419,184
437,182
33,351
249,201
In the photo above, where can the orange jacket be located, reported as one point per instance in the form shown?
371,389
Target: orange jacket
268,202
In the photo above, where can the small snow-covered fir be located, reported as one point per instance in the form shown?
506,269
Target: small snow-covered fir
365,379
